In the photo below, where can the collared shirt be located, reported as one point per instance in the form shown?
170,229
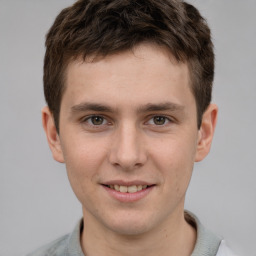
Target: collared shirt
207,244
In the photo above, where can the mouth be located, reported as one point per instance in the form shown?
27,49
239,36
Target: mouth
128,189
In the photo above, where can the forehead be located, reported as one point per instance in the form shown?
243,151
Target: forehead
146,72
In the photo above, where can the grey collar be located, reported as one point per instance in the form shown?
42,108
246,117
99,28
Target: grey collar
207,244
73,243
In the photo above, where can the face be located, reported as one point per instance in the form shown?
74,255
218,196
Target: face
129,138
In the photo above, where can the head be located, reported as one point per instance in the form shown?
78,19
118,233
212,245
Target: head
101,28
128,84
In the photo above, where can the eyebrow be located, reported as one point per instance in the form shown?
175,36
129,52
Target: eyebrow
150,107
170,106
90,107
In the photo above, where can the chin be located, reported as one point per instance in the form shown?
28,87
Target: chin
130,230
130,226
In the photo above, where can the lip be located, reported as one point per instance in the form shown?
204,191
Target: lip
127,183
128,197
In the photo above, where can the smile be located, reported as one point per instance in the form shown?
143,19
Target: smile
127,189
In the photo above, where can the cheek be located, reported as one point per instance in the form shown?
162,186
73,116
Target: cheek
82,153
175,160
83,159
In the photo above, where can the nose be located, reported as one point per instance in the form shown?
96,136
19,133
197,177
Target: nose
127,148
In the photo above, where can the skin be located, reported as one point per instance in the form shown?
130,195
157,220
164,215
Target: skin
145,130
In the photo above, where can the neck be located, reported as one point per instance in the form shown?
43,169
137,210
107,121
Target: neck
173,237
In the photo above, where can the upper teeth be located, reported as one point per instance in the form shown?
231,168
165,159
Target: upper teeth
129,189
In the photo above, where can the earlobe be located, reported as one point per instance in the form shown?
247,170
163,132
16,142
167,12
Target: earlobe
206,132
52,135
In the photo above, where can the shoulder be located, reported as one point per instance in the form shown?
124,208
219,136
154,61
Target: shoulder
224,250
207,244
56,248
68,245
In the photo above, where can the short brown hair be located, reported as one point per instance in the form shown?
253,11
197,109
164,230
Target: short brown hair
103,27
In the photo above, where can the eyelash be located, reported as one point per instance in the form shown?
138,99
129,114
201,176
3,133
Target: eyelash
166,120
90,122
151,120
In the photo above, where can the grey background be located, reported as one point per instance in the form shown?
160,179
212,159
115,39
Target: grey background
36,201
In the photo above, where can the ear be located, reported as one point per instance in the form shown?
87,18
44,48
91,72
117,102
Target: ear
52,135
206,132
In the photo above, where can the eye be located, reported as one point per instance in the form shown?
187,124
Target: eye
96,120
159,120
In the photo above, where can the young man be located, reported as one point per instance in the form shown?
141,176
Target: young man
128,87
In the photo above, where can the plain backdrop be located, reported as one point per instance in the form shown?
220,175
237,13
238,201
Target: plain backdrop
37,204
